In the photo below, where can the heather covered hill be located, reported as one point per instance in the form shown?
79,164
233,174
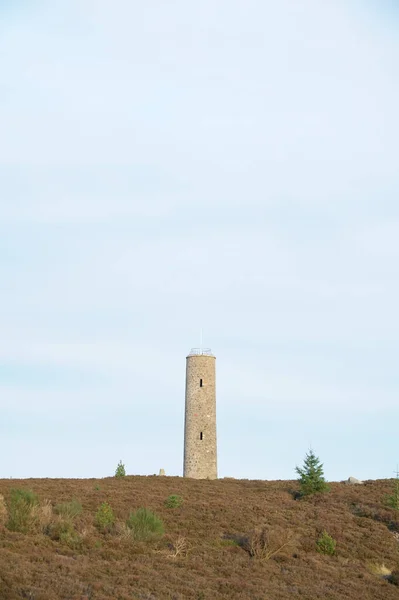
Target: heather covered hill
220,539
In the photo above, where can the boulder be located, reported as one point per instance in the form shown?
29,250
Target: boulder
354,481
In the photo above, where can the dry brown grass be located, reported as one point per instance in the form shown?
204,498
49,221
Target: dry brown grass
203,553
379,569
42,515
3,510
265,543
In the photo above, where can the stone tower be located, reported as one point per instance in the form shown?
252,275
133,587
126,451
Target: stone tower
200,450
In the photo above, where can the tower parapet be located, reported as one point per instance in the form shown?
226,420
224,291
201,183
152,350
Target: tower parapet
200,352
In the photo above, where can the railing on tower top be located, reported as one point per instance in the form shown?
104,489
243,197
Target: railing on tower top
199,351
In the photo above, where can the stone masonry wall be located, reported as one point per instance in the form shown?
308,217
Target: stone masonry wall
200,446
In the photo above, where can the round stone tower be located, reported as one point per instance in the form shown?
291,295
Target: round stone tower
200,451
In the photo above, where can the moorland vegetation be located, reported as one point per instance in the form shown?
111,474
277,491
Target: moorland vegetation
155,538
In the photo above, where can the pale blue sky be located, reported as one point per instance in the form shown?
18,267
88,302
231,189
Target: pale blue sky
225,164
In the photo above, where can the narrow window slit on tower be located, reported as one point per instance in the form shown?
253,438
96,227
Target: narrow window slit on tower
200,382
201,435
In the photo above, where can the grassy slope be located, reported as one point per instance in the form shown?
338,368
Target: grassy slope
109,566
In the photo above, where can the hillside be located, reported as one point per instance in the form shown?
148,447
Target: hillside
205,552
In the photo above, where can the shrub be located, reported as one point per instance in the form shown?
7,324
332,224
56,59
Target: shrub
326,544
311,476
145,525
68,510
21,510
65,532
120,470
393,500
104,517
394,577
173,501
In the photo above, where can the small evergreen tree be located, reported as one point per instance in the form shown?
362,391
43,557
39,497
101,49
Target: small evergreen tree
393,500
120,470
173,501
311,475
105,518
326,544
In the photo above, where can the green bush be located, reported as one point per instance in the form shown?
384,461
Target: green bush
393,500
120,470
21,510
105,518
68,510
326,544
65,532
173,501
311,476
145,525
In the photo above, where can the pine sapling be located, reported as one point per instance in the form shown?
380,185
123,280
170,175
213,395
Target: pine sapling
326,544
393,500
120,470
311,476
